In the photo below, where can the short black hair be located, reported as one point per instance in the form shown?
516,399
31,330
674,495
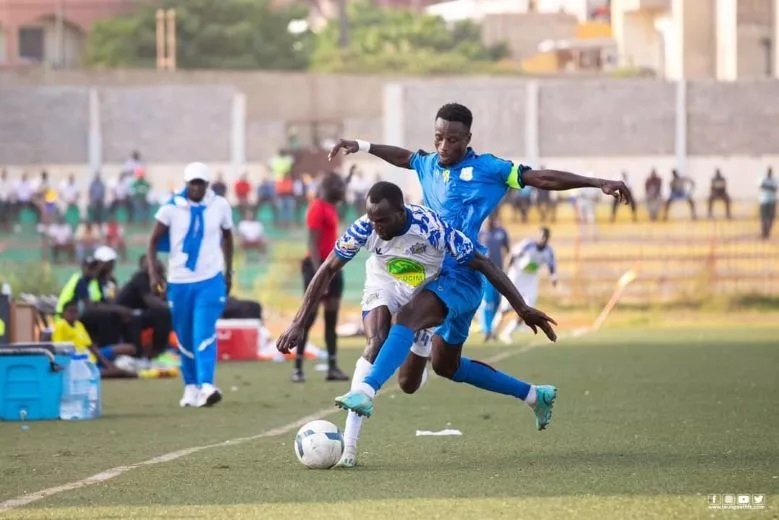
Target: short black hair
545,231
69,303
457,113
388,191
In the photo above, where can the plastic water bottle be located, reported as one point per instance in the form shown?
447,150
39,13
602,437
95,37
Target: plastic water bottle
94,401
78,390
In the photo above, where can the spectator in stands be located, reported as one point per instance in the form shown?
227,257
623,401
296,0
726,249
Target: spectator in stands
768,188
285,200
299,195
219,187
140,194
25,193
585,203
152,311
113,232
122,191
6,208
681,189
251,234
242,191
59,240
520,201
132,163
87,239
97,199
615,205
281,166
719,191
547,205
68,329
69,193
654,200
266,194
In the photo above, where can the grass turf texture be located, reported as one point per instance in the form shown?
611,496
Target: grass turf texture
648,423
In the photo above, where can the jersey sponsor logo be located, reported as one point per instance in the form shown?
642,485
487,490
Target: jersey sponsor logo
466,174
445,174
407,271
417,249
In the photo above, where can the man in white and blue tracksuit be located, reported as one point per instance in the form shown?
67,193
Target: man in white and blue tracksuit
195,227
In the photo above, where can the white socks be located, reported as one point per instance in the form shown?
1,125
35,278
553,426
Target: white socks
532,397
354,421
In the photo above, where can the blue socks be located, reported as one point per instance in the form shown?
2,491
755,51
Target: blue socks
484,376
397,345
391,356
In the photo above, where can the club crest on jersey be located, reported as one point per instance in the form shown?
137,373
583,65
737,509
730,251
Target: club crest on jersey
466,174
417,249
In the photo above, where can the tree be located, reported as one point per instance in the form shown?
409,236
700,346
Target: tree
224,34
400,40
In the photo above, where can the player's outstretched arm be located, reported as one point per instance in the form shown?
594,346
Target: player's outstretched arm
394,155
555,180
533,318
293,336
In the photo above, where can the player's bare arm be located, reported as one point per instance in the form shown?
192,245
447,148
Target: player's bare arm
155,280
292,337
394,155
227,251
556,180
533,318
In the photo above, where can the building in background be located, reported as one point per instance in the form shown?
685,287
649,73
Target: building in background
50,32
700,39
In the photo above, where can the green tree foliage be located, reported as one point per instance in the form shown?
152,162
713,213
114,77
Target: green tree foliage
403,41
211,34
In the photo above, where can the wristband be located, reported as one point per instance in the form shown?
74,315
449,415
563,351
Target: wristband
363,146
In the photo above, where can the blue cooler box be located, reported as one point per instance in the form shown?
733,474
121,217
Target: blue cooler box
31,380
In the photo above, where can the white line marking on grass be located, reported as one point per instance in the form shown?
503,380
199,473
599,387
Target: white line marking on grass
167,457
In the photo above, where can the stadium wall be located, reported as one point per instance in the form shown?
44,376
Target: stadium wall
64,120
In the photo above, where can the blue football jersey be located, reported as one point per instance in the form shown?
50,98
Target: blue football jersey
466,193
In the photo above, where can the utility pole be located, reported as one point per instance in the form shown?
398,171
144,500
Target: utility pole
166,39
343,25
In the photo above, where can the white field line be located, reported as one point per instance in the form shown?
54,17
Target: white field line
108,474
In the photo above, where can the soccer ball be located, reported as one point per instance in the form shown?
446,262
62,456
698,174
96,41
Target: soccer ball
319,444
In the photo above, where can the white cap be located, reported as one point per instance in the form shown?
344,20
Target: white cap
197,171
105,254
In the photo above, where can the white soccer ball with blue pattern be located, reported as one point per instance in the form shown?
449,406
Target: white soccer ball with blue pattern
319,444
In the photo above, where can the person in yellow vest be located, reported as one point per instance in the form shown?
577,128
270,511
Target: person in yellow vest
68,329
88,273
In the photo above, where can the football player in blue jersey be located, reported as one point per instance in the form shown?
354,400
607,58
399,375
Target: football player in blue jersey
464,188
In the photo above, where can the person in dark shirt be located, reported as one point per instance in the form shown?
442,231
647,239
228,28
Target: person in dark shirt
322,223
151,311
219,186
719,191
496,239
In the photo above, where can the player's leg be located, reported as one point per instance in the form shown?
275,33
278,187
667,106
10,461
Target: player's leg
448,362
209,305
425,310
331,306
376,322
413,373
181,308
